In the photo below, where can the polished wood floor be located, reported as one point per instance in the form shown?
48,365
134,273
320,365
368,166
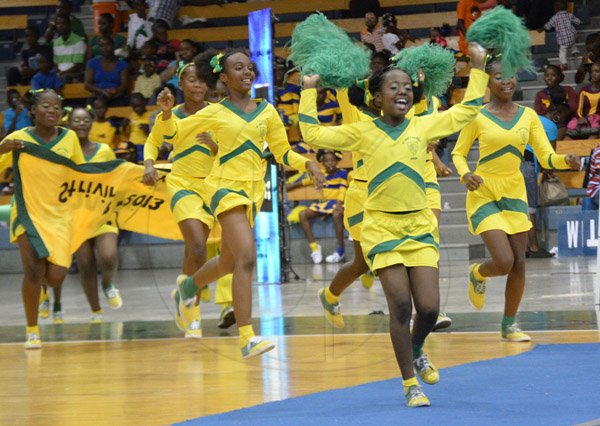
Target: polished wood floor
162,381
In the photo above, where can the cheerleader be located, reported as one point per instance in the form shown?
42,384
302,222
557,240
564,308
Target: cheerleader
497,200
47,111
234,190
399,235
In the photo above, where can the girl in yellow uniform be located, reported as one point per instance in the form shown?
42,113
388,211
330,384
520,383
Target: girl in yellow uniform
191,164
100,251
234,189
399,235
47,110
497,200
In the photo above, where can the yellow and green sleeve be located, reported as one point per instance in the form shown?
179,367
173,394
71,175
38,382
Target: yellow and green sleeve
543,149
346,137
461,149
280,147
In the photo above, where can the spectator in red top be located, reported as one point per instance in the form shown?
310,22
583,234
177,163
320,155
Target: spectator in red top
467,12
554,92
587,122
372,35
165,48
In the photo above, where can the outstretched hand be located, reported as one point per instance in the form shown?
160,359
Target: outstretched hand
165,100
8,145
315,173
311,81
573,161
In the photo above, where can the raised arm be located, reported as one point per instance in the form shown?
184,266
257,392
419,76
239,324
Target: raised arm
159,132
350,113
343,138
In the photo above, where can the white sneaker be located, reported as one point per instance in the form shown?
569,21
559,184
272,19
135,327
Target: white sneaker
317,255
334,258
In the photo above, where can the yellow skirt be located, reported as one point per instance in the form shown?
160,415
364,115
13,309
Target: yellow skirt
106,229
323,207
186,201
432,187
226,194
356,196
410,239
500,203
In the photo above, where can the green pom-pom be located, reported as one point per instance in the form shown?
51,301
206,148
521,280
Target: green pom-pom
505,34
436,63
320,47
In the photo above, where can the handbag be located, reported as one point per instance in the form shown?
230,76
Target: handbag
552,192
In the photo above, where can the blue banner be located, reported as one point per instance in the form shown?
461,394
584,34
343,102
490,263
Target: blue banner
578,233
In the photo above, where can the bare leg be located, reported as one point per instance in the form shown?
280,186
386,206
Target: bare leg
349,271
502,259
305,217
396,287
195,234
338,220
88,273
34,270
425,289
515,282
107,256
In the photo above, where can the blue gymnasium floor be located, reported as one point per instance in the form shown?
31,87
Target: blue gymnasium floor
551,385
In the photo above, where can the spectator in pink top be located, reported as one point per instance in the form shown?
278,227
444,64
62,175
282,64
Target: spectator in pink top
372,35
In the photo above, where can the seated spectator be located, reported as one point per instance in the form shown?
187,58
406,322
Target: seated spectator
29,66
139,28
16,117
287,97
372,35
102,130
554,93
69,51
328,109
64,8
393,39
136,128
591,55
188,49
587,121
46,77
106,74
149,81
334,192
165,48
106,26
593,181
436,37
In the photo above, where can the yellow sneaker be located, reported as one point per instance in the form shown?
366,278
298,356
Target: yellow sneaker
186,307
256,346
514,334
476,289
332,311
415,397
367,280
194,328
96,317
57,317
443,321
205,294
426,370
178,320
32,340
44,309
113,297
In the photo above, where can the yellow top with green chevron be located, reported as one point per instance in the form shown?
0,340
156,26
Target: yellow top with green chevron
394,157
66,144
101,153
190,159
501,144
241,138
351,114
424,107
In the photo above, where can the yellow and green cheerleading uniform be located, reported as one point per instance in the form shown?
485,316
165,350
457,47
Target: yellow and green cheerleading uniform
500,203
356,195
102,153
398,227
191,164
237,177
65,144
432,187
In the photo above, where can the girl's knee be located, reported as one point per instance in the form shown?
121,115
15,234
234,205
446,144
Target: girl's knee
504,263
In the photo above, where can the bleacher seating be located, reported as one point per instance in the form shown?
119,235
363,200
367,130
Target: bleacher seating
582,148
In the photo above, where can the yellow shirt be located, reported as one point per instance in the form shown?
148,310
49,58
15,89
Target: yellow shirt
501,144
351,114
65,144
425,107
190,159
100,154
103,133
394,157
137,135
241,138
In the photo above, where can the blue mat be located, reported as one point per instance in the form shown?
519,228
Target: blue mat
551,385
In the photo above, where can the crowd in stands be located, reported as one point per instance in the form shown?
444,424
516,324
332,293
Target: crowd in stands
131,70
